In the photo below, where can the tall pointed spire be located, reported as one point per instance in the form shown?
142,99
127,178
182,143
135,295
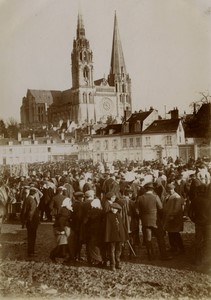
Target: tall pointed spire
117,57
80,26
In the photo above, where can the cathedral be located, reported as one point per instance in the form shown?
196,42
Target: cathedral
88,100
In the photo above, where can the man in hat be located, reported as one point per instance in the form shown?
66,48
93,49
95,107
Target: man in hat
74,241
30,217
148,205
173,218
57,201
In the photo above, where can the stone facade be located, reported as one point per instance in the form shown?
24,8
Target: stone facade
88,100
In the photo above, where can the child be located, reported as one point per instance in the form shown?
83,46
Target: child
62,230
115,235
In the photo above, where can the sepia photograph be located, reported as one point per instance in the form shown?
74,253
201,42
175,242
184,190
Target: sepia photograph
105,149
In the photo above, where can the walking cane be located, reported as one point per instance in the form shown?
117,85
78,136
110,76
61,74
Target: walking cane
131,248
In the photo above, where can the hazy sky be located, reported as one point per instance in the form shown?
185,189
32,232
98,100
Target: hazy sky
166,44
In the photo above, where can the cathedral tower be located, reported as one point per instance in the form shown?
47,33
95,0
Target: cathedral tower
82,64
118,76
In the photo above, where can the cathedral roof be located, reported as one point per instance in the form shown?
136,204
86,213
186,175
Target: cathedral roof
117,58
43,96
101,81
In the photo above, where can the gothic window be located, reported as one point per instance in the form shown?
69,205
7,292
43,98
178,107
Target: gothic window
86,72
85,56
80,55
90,98
127,99
123,88
84,97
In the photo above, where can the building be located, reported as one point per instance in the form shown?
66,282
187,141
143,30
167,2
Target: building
162,139
26,150
122,141
88,100
198,133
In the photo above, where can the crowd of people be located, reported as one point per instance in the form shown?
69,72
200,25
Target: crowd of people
108,208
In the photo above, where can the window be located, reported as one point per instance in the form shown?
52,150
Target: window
148,142
115,144
97,145
90,98
131,142
169,140
84,97
138,142
106,144
124,143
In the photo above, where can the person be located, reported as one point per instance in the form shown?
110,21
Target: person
25,193
30,218
115,235
57,201
200,208
62,227
91,228
173,219
46,202
74,242
88,185
147,207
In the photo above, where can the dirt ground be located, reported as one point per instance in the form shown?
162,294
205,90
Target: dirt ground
139,278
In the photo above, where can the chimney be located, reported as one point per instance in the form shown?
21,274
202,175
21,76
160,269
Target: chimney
175,113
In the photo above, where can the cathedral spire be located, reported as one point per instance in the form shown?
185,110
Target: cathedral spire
80,26
117,57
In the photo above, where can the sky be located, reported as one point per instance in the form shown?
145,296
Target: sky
166,45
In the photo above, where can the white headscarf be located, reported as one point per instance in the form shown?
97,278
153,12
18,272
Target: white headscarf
67,202
96,203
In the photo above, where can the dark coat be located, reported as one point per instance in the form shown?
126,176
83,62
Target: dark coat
173,213
148,205
114,228
57,203
200,207
91,222
63,219
30,212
